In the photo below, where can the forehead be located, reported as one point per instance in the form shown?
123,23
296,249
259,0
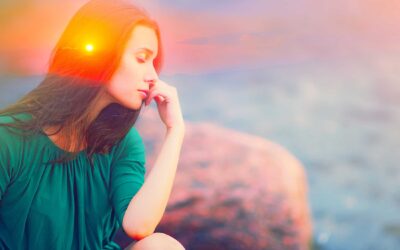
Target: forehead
143,37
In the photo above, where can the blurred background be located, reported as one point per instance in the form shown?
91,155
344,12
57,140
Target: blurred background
321,78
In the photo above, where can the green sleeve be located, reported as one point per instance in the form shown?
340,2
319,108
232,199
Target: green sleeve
5,175
127,173
10,148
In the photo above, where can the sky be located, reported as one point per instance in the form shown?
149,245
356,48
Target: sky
207,36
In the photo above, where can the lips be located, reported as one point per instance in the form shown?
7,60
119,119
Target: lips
144,92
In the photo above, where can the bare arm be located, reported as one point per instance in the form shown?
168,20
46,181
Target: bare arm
147,207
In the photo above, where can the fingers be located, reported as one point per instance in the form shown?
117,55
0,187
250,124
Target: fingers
161,92
158,96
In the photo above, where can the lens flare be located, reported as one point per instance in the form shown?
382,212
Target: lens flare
89,47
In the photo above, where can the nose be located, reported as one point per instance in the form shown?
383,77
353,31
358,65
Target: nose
150,82
151,78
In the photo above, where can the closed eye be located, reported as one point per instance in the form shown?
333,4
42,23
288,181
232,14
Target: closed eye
140,60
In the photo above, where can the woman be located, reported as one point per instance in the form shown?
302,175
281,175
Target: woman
72,164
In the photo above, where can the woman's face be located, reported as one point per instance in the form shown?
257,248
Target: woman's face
136,70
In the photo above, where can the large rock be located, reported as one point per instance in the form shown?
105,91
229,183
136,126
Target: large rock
232,190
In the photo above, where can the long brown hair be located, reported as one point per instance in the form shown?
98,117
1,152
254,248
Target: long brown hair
75,79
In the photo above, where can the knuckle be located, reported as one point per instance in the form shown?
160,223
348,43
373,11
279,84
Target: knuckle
160,241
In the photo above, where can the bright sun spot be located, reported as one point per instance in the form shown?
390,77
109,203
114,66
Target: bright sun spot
89,47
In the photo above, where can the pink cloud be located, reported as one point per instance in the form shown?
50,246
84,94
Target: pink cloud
201,41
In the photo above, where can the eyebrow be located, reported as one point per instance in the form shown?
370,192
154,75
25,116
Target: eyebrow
146,49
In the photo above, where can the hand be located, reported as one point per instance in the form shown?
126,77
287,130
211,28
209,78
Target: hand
166,97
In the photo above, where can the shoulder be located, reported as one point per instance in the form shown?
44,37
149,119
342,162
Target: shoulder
131,145
132,138
133,133
12,143
11,118
6,119
6,132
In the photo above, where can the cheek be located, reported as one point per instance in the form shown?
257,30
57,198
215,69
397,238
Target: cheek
122,86
125,74
118,86
124,79
129,68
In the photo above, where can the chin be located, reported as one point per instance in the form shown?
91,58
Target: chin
130,103
134,106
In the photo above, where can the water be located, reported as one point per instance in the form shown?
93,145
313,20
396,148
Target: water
343,125
341,122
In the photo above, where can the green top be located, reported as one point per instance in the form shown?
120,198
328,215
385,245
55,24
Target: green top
64,206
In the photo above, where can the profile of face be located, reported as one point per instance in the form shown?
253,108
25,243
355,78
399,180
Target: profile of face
136,73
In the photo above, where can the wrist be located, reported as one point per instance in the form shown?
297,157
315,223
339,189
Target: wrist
179,129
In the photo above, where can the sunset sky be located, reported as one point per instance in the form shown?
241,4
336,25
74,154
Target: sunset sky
206,36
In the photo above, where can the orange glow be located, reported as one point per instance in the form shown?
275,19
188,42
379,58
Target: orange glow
89,47
366,27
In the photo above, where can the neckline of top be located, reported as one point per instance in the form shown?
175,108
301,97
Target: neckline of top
51,142
47,138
